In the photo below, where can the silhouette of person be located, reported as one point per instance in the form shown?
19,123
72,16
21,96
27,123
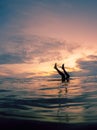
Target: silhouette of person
67,76
64,76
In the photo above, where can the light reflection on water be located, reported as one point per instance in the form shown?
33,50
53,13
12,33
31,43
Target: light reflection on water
49,99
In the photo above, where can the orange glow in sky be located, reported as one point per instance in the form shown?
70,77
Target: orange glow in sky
44,33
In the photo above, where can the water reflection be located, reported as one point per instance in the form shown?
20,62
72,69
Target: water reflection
50,100
63,94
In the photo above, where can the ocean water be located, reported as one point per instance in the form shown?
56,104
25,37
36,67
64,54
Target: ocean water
47,99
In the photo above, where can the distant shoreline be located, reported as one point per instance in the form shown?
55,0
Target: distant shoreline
11,123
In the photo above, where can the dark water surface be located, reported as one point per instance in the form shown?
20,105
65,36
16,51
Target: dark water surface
49,99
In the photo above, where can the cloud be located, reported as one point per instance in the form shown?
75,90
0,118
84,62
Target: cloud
26,28
88,65
92,57
29,49
10,59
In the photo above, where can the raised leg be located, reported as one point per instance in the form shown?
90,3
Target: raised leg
67,75
61,73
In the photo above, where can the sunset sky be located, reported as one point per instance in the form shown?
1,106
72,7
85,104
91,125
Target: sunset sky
34,34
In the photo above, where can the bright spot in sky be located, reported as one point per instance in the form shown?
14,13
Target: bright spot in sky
34,35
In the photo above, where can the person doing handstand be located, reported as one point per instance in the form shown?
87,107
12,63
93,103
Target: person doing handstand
64,76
